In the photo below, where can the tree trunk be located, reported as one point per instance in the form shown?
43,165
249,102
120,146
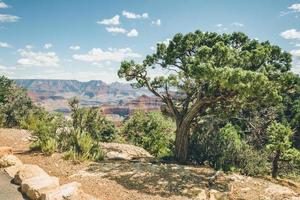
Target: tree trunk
275,164
181,143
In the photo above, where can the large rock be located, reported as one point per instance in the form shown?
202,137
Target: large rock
124,151
27,172
34,187
13,170
5,151
9,160
68,191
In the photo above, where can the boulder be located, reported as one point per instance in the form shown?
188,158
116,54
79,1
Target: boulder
5,151
9,160
65,192
34,187
27,172
117,151
13,170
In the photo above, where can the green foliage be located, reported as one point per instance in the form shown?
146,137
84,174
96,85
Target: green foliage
280,147
152,131
83,147
14,104
225,149
92,121
204,70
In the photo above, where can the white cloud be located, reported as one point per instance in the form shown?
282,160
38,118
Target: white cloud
291,34
5,45
8,18
297,45
133,33
38,59
219,25
296,53
237,24
75,47
166,41
48,46
3,5
113,55
2,67
113,21
295,7
115,30
131,15
157,22
152,48
28,46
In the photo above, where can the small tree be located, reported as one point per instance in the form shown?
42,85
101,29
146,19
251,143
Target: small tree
204,70
280,146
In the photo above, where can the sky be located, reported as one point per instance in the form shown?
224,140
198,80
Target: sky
87,39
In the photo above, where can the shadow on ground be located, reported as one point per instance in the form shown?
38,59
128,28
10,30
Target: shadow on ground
158,179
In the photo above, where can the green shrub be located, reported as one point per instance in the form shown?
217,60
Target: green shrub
49,146
14,104
225,149
92,121
83,147
152,131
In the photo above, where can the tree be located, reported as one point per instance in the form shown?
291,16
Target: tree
280,145
14,104
201,71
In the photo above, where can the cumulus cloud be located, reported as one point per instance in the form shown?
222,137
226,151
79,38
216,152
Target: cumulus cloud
5,45
296,53
157,22
3,5
291,34
28,46
8,18
75,47
131,15
113,55
133,33
295,7
38,59
237,24
115,30
47,46
113,21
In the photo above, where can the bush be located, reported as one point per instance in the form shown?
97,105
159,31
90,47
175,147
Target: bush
224,149
92,121
152,131
83,147
14,104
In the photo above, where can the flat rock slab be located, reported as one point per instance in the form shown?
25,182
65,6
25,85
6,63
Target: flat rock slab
36,186
8,191
27,172
68,191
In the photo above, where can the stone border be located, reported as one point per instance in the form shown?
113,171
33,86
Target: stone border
37,184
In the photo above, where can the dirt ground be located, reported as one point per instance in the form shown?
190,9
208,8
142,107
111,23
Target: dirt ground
118,180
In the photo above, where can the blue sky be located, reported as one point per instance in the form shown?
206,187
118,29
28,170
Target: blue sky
87,39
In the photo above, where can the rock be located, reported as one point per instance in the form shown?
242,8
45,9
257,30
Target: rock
274,190
34,187
202,195
9,160
13,170
28,171
124,151
65,192
5,151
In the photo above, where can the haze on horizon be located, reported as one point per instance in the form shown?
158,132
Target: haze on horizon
87,40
